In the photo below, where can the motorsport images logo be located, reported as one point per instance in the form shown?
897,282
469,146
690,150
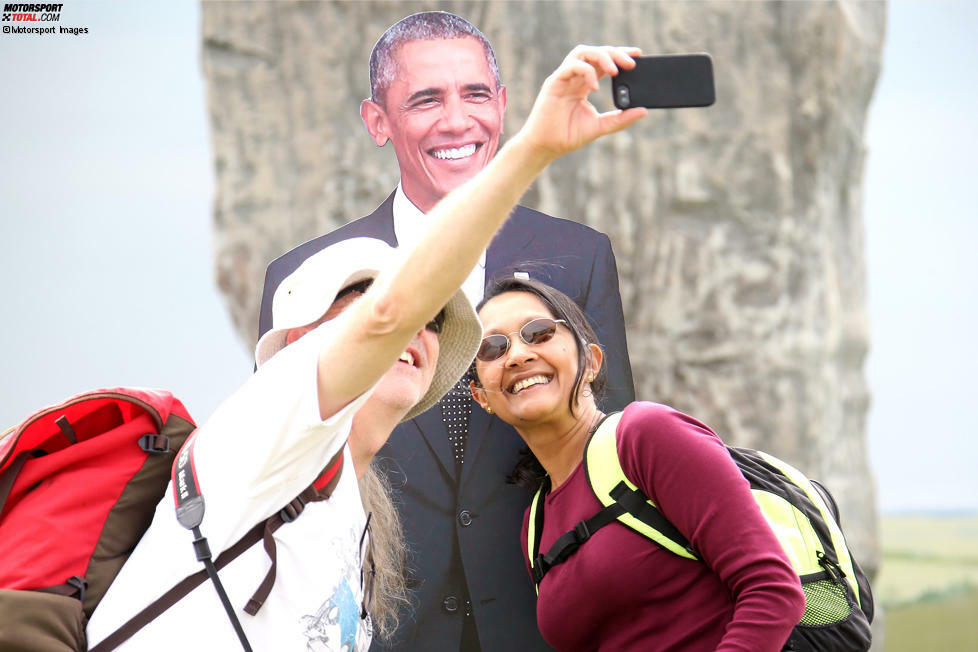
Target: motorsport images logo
29,13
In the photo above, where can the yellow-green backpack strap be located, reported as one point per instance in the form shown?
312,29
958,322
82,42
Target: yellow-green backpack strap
609,483
534,528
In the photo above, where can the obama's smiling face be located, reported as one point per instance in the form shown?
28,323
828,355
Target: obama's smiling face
443,113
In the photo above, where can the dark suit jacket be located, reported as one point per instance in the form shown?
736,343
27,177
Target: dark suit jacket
465,533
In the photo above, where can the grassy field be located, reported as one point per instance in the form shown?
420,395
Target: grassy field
928,582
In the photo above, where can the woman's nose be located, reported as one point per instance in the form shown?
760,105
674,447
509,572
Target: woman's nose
519,352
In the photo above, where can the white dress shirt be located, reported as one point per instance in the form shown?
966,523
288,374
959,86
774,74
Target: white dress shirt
410,225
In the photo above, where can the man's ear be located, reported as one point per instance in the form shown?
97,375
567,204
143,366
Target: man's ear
375,120
479,395
293,334
502,107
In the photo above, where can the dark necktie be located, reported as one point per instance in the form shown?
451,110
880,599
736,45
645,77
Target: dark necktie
456,407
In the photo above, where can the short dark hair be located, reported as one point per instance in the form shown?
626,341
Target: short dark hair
360,287
424,26
563,307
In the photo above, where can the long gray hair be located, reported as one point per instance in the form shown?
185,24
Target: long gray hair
388,550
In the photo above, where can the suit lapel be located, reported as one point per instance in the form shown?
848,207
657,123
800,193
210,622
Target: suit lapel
511,244
380,223
433,430
478,429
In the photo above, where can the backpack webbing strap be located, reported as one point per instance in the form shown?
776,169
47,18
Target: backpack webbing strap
9,476
334,468
286,515
636,503
75,587
632,501
66,429
567,543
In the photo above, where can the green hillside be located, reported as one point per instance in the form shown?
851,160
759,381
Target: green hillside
928,582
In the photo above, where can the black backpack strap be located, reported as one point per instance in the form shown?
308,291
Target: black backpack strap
628,500
636,503
568,543
286,515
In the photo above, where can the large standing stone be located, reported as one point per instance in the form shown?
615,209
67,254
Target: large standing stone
737,228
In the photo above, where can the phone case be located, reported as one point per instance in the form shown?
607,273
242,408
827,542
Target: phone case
665,82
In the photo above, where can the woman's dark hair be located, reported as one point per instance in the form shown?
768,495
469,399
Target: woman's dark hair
529,472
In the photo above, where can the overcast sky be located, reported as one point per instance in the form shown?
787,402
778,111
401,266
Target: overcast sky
106,186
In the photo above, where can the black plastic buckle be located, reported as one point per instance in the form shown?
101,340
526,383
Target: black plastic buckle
201,548
80,585
538,569
155,444
291,511
581,533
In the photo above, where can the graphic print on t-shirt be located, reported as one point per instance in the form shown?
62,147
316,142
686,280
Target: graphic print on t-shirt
335,625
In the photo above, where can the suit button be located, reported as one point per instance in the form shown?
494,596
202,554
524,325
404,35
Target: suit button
450,604
465,518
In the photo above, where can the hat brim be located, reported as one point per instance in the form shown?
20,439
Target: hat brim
458,340
274,340
458,343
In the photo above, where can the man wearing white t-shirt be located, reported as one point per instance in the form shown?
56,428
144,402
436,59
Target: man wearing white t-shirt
266,444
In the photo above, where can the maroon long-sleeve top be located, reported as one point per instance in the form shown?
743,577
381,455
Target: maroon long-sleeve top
621,591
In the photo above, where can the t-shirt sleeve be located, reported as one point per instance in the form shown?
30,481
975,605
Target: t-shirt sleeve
687,472
266,443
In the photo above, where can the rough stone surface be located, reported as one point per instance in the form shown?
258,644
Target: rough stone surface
737,228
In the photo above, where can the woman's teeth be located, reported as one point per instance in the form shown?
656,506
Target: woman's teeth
529,382
407,357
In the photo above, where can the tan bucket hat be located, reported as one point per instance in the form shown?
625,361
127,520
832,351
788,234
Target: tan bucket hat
305,294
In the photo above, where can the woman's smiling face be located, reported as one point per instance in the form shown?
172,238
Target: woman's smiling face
529,385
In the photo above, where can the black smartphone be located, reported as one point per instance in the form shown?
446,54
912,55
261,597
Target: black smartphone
667,81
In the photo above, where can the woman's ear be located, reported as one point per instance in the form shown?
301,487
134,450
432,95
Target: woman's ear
479,396
595,358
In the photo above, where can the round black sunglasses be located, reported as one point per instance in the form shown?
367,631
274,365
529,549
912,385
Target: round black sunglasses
436,324
535,331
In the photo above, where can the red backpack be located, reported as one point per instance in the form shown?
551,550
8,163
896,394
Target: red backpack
79,484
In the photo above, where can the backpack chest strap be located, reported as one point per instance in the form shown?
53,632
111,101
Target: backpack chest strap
568,543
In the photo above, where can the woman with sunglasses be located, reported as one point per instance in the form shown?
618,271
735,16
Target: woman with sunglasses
539,369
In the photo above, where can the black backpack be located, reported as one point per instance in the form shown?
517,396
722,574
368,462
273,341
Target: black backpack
838,600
